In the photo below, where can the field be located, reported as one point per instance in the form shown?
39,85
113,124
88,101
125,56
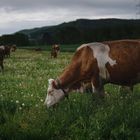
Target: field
23,116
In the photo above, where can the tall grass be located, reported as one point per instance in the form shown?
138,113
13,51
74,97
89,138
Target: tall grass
83,117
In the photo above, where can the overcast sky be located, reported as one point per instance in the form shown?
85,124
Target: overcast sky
25,14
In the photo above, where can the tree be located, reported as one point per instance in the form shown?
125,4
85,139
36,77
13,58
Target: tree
18,38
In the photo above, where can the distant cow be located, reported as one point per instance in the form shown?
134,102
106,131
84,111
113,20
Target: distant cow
7,50
116,62
2,48
38,49
55,50
13,48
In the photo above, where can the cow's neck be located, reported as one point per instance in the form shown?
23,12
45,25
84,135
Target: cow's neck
69,76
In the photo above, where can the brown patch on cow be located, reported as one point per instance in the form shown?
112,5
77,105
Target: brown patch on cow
127,66
79,68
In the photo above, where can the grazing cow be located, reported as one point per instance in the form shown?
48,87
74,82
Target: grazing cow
55,50
116,62
7,51
13,48
2,48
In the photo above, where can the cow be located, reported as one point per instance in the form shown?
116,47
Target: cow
116,62
13,48
38,49
55,51
7,50
2,48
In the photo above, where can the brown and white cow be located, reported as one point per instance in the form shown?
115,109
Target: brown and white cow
116,62
13,48
55,51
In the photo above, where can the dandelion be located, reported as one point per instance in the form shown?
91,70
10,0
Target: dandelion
20,108
23,104
17,101
74,100
41,100
36,105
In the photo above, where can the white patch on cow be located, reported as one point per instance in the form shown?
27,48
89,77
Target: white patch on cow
83,45
101,53
53,95
93,88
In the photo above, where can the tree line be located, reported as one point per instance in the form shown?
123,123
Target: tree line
18,38
76,32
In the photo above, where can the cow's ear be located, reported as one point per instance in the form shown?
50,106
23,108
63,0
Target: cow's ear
50,81
54,84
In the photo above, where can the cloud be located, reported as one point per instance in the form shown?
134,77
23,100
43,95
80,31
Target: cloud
20,14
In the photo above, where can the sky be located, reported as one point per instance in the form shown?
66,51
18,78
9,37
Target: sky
16,15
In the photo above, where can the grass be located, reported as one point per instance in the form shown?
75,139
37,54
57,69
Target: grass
84,117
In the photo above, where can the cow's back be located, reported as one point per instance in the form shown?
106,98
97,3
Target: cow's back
127,56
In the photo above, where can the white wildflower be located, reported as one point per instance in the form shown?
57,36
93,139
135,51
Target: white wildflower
17,101
20,108
41,100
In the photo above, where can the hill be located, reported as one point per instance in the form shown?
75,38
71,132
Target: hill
85,30
81,31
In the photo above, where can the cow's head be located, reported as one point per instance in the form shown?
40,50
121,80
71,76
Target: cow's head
54,95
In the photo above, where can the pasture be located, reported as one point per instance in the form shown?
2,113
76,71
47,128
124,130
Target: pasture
23,89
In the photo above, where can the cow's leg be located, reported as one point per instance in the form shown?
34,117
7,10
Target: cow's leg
98,87
98,90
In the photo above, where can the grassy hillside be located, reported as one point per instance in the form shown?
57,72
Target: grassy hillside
84,117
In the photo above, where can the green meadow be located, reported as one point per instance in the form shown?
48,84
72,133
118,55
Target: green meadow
85,116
